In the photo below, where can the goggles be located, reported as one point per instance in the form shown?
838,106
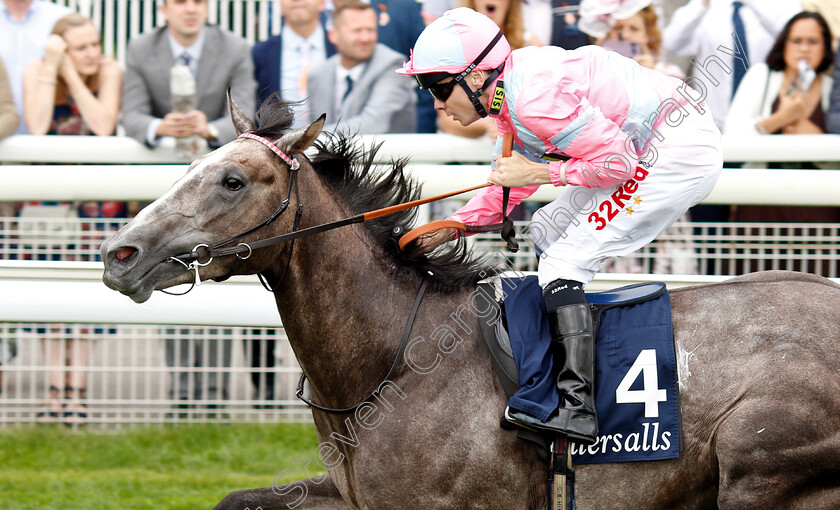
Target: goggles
440,91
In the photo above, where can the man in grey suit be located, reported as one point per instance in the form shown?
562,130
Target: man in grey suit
217,58
357,88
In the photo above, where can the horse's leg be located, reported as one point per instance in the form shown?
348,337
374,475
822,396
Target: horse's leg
300,494
778,448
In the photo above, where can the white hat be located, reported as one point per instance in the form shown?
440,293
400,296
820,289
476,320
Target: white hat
597,17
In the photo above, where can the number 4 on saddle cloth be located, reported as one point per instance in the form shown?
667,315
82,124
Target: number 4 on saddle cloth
635,365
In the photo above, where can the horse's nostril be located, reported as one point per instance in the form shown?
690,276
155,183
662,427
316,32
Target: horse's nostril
125,252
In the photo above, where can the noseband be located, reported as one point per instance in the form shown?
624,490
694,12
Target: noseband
192,261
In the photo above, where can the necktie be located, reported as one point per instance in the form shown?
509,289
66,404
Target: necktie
349,88
739,65
186,60
304,70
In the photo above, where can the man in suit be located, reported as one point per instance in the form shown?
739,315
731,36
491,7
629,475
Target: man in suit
283,62
217,58
358,88
400,23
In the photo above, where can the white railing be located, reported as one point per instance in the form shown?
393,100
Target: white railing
144,174
56,311
52,309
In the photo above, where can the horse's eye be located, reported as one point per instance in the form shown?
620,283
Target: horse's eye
233,183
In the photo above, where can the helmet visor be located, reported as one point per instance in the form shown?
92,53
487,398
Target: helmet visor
426,80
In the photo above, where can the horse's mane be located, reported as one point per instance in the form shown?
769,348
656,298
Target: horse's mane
344,164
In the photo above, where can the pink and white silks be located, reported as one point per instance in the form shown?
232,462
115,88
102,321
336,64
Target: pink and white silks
641,153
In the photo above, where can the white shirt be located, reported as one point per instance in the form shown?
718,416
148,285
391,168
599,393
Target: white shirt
697,31
193,51
22,41
299,57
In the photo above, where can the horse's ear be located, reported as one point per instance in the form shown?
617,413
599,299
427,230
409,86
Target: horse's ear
298,140
240,119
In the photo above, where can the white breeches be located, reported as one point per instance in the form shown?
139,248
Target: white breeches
585,226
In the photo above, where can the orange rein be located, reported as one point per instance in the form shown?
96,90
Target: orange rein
413,234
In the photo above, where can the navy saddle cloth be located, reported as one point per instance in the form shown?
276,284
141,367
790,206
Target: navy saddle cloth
635,366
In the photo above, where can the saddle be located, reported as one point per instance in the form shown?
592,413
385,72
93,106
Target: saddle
623,299
498,340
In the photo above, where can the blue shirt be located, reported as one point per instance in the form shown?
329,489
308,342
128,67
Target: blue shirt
22,41
299,57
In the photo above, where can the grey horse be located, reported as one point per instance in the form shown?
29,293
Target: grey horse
759,355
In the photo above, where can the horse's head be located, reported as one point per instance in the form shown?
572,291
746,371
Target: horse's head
222,195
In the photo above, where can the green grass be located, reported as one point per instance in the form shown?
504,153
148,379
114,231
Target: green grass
182,467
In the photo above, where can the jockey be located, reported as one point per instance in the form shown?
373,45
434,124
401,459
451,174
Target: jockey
635,148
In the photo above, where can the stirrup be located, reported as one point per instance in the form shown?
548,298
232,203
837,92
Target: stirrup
518,423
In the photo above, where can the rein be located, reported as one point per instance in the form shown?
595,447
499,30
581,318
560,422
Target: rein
203,254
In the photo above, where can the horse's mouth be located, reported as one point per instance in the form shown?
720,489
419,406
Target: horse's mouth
163,274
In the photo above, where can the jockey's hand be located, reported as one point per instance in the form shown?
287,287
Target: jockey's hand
517,171
430,241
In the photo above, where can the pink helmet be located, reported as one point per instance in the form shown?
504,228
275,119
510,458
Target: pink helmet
460,41
454,41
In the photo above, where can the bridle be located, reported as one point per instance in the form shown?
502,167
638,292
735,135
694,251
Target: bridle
203,254
192,260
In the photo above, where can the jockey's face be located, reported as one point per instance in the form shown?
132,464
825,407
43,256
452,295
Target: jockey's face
458,104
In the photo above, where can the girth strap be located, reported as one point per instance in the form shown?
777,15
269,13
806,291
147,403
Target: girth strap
397,360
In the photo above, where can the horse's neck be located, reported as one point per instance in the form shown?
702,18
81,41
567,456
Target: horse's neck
343,314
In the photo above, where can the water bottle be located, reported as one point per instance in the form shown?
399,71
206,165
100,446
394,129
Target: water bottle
182,85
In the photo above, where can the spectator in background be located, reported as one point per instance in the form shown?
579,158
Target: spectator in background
210,351
217,59
776,97
833,118
630,27
555,22
780,97
358,88
74,89
8,112
507,15
399,23
283,62
698,28
25,26
67,358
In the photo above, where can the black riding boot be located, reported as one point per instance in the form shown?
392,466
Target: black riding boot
571,332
